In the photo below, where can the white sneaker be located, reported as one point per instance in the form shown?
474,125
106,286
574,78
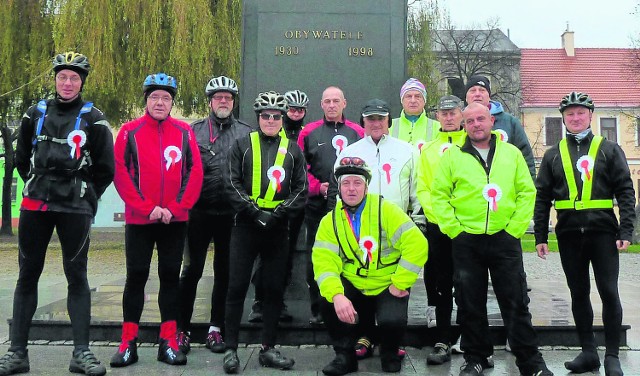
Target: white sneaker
507,347
455,349
431,317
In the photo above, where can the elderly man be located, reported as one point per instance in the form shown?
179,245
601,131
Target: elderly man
483,196
366,257
321,141
413,125
478,90
394,173
212,215
438,273
581,177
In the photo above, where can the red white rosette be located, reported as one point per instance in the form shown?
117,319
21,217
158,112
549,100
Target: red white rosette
492,193
503,135
276,175
367,245
444,147
339,142
585,166
420,144
172,155
386,168
76,139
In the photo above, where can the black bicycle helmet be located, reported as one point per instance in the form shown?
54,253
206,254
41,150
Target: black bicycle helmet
221,83
353,166
576,98
73,61
297,98
270,100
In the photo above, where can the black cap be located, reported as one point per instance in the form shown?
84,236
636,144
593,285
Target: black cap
449,102
375,107
478,81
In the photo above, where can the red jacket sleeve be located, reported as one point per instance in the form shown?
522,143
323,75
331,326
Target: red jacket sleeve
314,183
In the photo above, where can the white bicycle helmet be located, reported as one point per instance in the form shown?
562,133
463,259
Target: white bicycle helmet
221,83
297,98
270,100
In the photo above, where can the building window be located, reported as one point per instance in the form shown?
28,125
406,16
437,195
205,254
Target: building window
609,129
552,130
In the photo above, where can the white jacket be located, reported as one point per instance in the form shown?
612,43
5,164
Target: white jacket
393,165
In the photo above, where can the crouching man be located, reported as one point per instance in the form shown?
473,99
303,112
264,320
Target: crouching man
366,257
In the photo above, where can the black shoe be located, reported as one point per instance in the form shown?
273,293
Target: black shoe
285,316
612,366
169,355
273,359
316,320
231,363
471,368
586,361
488,363
184,342
214,342
441,354
85,362
126,355
390,362
14,362
256,312
341,365
541,371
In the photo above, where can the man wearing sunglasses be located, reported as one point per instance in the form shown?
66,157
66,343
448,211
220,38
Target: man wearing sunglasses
393,164
212,215
367,255
321,141
267,185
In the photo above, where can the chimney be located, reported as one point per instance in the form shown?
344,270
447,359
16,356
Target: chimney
567,42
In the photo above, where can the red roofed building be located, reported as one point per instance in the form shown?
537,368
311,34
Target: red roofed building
604,73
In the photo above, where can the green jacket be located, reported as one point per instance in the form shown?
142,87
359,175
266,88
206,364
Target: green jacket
428,166
471,196
390,250
418,133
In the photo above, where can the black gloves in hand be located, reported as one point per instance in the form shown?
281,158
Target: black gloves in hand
265,220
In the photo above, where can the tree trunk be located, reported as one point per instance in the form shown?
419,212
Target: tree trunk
7,182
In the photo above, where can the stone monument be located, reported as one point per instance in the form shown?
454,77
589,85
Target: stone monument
358,45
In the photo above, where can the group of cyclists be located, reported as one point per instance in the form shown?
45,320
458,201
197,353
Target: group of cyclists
381,199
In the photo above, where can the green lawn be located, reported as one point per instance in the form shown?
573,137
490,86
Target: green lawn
529,244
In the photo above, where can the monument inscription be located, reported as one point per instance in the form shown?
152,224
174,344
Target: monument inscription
309,45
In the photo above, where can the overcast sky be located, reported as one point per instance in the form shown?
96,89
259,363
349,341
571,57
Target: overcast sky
539,23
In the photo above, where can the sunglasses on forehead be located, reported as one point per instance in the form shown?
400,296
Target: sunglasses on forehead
276,117
352,161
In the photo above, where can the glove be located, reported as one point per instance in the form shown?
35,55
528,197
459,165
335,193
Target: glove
265,220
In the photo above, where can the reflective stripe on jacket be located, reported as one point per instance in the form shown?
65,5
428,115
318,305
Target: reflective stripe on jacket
417,134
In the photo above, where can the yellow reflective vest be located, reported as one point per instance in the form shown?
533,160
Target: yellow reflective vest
389,250
416,133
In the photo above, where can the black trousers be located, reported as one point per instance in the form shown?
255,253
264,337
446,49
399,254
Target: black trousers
577,251
295,223
474,256
201,229
139,243
389,311
34,233
247,242
312,222
438,280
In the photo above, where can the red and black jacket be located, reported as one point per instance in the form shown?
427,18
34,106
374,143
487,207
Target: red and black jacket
157,164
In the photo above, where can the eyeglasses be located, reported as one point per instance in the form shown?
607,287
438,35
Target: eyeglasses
221,97
352,161
163,98
64,78
297,109
265,116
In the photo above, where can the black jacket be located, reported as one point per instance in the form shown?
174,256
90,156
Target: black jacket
215,137
59,179
611,180
293,187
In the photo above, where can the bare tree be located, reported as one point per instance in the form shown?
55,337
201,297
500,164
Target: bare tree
486,51
8,137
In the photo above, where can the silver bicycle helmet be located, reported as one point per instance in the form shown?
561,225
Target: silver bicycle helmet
270,100
576,98
221,83
297,98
